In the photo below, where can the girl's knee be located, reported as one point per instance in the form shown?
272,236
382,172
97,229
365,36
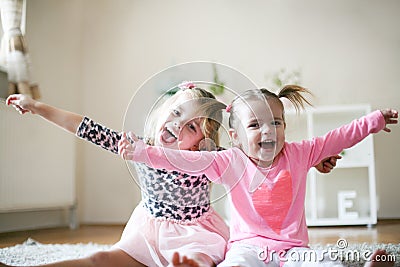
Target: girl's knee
113,258
101,258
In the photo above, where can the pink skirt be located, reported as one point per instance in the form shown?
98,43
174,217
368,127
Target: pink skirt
153,241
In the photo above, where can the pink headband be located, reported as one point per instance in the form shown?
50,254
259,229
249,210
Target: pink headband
187,85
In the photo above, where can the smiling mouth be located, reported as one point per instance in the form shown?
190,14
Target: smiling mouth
270,144
171,133
168,136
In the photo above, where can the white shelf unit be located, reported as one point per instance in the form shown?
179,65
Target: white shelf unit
347,195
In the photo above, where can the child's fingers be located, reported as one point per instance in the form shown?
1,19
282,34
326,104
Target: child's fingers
20,109
132,137
123,139
389,113
391,117
122,146
175,259
17,102
332,162
125,147
337,157
328,165
12,98
125,154
14,102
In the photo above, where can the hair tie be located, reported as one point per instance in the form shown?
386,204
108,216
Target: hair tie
186,85
228,108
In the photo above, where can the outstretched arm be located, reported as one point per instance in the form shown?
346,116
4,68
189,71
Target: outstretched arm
349,135
215,165
62,118
82,127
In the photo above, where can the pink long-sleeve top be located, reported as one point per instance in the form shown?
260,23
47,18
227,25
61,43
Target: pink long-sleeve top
267,204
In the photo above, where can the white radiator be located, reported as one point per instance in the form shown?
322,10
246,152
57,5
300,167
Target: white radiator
37,163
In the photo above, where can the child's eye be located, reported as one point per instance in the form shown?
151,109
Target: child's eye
192,127
254,125
276,123
176,112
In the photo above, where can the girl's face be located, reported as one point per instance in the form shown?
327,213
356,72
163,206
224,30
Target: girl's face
260,130
180,126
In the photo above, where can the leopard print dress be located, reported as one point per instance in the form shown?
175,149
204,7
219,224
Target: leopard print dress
174,214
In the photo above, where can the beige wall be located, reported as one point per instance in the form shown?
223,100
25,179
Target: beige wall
90,56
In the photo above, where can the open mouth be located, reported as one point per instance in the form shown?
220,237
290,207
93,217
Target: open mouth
269,144
168,136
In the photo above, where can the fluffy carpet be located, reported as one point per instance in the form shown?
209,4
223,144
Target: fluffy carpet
32,252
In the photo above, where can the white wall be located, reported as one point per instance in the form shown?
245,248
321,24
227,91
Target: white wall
90,56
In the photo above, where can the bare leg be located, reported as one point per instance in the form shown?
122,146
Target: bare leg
380,259
110,258
196,260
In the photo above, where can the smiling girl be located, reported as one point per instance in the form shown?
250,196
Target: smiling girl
174,214
265,175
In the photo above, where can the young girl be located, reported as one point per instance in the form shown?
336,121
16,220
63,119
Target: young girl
264,175
175,212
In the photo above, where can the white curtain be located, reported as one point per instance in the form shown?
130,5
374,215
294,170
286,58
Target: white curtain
14,52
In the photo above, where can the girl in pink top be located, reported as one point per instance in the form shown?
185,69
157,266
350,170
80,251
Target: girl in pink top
265,176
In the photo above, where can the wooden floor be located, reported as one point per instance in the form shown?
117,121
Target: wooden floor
386,231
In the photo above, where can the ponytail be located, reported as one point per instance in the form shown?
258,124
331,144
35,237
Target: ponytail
294,94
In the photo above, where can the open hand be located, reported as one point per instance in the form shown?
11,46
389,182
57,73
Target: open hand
126,146
391,117
22,103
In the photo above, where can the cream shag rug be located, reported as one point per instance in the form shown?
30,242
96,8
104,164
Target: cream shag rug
32,252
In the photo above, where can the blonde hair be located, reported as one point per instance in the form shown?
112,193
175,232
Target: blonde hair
291,92
208,108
